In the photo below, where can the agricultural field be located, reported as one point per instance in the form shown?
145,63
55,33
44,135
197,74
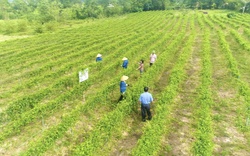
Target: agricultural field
200,83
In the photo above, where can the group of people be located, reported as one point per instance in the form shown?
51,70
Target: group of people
124,65
145,98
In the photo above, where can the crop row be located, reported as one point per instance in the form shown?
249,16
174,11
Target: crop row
41,79
56,104
241,21
213,19
243,87
65,68
203,136
247,32
150,141
98,46
83,32
73,45
68,43
240,40
225,47
48,66
24,103
115,114
237,36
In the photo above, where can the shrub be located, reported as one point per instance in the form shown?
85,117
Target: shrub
22,26
230,15
9,27
51,26
38,29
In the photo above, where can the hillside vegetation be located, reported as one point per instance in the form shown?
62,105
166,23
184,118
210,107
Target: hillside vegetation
200,84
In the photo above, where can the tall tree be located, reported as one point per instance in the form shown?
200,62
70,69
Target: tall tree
91,8
44,11
4,9
245,2
70,3
20,8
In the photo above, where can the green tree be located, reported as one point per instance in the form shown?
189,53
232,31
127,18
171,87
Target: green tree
90,9
112,10
233,4
245,6
4,9
126,5
158,4
20,8
137,5
44,11
69,3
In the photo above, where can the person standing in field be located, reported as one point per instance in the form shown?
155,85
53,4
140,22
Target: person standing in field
141,66
153,58
123,87
145,100
98,58
125,63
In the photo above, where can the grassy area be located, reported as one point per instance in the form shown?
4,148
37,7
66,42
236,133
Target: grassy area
46,111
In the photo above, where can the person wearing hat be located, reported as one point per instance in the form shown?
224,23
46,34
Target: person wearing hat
145,100
125,63
153,58
123,86
98,58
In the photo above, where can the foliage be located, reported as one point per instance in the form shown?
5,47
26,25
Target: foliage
51,26
38,29
39,82
9,27
22,26
230,15
57,10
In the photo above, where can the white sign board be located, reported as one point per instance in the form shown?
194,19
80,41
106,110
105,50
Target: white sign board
83,75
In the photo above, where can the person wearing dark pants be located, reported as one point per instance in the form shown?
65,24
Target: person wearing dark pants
145,100
145,109
123,87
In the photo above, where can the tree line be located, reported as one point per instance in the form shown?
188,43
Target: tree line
59,10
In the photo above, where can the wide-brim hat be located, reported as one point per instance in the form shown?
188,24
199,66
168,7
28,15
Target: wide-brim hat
124,78
153,51
98,55
124,58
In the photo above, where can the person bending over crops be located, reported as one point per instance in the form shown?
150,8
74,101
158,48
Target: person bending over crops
123,87
125,63
145,100
98,58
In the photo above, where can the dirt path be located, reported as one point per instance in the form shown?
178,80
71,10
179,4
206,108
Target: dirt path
228,140
179,139
6,37
134,127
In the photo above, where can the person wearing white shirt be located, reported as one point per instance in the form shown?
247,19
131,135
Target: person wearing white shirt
153,58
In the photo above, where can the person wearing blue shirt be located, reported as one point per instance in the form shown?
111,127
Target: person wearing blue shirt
145,100
123,87
125,63
98,58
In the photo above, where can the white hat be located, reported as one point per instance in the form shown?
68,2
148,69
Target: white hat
124,58
98,55
124,78
153,51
